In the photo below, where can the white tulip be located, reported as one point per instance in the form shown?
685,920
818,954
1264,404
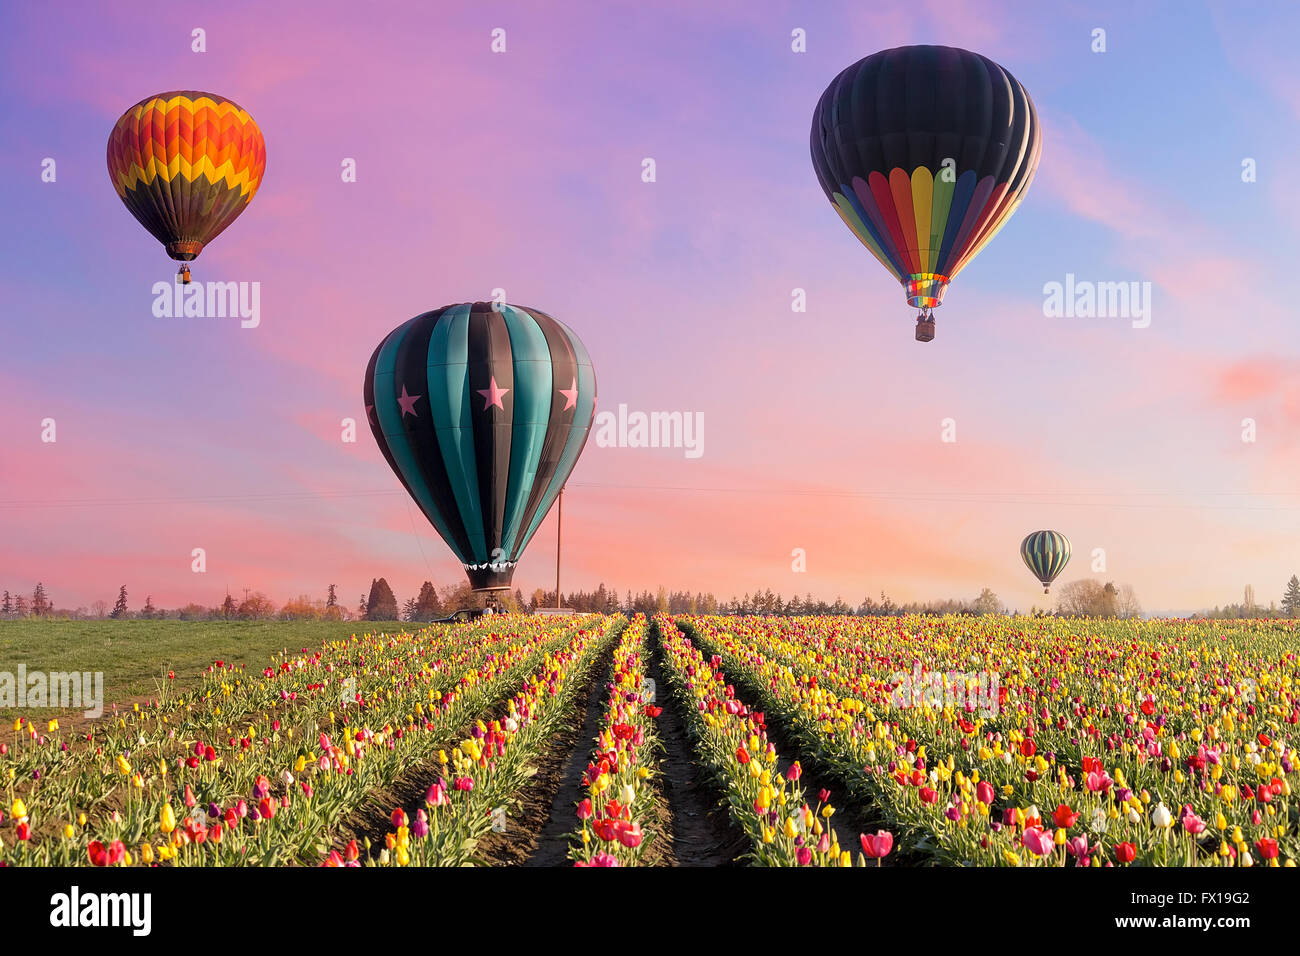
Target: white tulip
1161,817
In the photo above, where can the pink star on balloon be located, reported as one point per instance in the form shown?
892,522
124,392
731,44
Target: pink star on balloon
493,395
570,395
408,403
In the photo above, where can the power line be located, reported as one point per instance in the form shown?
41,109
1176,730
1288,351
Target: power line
1058,498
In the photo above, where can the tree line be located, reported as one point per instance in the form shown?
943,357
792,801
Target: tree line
1086,597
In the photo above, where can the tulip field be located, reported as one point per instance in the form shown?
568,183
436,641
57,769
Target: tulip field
817,741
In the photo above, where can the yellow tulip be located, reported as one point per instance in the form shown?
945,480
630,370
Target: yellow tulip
167,819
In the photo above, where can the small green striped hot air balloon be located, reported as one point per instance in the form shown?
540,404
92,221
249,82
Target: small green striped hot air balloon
1046,553
482,410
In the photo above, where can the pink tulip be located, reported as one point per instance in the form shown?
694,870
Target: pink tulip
1191,822
1037,841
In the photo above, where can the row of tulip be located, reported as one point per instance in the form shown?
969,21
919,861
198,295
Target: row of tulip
730,740
615,827
290,697
1163,743
279,793
487,770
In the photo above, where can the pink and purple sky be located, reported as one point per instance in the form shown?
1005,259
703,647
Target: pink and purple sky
479,170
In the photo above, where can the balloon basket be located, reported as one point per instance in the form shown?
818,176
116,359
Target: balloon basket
183,273
924,328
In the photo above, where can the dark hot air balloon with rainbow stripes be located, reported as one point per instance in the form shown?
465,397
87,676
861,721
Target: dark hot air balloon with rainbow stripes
925,152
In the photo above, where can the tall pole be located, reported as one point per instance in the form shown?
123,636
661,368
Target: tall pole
559,527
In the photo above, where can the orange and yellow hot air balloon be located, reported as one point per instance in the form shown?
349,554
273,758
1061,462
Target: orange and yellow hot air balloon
186,164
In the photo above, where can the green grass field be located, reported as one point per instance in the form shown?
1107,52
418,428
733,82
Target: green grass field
135,655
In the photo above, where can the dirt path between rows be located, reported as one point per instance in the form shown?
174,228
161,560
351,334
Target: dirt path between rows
551,844
699,832
537,828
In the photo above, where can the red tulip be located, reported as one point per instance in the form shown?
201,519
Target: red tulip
1063,817
984,792
584,810
877,845
606,829
1267,848
929,795
1027,748
1125,852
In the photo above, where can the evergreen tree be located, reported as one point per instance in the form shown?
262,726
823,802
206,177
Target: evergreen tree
119,609
148,612
20,606
427,604
8,607
228,608
40,601
382,603
331,599
1291,600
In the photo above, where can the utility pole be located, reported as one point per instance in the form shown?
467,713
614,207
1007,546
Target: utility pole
559,526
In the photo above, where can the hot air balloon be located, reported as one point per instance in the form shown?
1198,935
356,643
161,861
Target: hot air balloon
1045,553
482,411
925,152
186,164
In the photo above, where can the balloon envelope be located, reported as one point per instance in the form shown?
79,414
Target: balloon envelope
1045,553
925,152
482,412
186,164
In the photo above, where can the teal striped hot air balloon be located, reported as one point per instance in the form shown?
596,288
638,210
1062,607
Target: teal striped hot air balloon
482,411
1046,553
